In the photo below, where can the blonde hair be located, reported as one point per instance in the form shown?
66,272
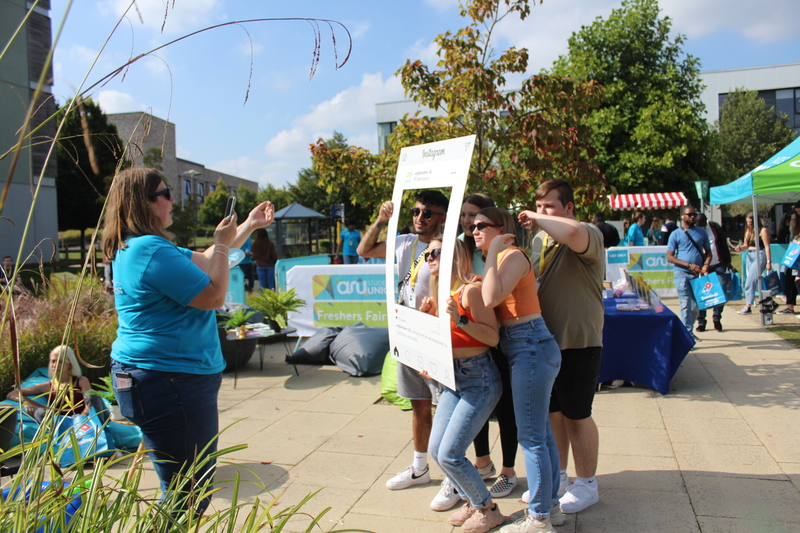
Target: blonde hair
462,268
129,210
65,352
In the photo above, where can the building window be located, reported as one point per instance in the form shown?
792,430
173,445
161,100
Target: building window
201,190
187,189
211,188
384,130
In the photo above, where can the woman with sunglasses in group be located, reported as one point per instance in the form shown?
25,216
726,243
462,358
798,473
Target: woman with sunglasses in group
166,360
462,412
509,286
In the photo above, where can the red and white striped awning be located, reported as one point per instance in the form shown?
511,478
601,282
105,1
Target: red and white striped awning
654,200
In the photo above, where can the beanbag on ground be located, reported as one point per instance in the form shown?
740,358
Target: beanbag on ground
389,383
359,350
315,351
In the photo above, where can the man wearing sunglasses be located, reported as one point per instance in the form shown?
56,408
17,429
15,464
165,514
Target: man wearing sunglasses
689,250
429,214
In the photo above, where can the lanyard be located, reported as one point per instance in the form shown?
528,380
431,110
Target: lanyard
545,257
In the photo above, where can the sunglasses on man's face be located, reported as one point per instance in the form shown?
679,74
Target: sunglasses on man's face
690,214
480,226
426,213
433,254
163,192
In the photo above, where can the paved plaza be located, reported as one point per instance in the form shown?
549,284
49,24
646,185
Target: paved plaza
719,453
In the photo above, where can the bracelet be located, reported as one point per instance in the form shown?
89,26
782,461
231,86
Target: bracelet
220,252
217,244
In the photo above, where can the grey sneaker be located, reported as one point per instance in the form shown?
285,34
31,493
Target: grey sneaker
503,486
528,524
488,471
408,478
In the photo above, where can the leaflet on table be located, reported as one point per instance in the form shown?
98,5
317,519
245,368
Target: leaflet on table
629,304
416,339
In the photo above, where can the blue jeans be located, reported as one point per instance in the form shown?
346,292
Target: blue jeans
266,277
459,417
754,268
689,309
350,259
535,359
177,413
725,281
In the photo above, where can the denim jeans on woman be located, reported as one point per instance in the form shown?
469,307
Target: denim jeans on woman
459,416
535,359
177,413
754,269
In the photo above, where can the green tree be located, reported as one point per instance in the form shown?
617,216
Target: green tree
649,132
747,134
246,200
280,197
153,159
524,136
87,155
185,221
213,209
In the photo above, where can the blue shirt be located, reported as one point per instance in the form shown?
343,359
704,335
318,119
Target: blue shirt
154,281
683,248
350,240
247,247
635,237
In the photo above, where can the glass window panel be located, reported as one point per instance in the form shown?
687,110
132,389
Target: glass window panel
768,97
187,188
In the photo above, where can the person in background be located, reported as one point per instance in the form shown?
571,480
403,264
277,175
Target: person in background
654,233
784,229
349,240
789,276
166,362
461,412
65,392
756,263
635,237
610,233
690,254
626,226
720,263
7,273
667,229
265,256
246,264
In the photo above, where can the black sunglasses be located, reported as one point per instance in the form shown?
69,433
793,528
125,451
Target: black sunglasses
433,254
480,226
426,213
163,192
690,214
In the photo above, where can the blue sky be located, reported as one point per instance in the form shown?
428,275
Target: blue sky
200,83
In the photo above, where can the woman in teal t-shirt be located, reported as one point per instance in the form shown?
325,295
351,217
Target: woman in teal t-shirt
166,361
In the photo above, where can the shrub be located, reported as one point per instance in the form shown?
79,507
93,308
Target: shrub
42,320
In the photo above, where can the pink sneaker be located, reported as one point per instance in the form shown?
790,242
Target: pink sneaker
482,520
462,515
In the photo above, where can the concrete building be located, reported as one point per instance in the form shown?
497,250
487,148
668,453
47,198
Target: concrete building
146,134
20,70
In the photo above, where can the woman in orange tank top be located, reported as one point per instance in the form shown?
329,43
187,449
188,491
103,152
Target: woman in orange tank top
509,286
462,412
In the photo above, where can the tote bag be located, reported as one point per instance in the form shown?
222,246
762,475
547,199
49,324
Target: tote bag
708,291
88,431
770,284
791,259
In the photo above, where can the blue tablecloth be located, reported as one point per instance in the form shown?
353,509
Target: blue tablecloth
643,346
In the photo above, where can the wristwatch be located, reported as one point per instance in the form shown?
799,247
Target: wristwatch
462,321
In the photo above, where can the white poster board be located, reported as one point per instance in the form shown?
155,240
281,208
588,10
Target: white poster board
338,296
416,339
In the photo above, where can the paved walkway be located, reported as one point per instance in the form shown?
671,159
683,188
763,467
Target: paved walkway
719,453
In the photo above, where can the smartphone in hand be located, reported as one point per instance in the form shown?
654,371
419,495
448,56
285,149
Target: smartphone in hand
230,206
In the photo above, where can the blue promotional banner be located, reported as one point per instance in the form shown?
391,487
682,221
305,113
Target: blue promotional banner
646,262
708,291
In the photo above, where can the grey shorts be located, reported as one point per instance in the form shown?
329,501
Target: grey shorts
412,386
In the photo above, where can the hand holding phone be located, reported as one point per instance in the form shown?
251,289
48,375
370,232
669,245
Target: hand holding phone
230,206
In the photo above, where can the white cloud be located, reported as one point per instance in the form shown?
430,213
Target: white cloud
351,112
244,167
180,16
762,22
118,102
425,52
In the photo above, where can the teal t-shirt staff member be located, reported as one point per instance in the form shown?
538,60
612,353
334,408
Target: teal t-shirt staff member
166,361
348,243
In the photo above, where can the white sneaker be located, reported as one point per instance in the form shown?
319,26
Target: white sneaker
408,478
562,489
579,496
528,524
446,498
